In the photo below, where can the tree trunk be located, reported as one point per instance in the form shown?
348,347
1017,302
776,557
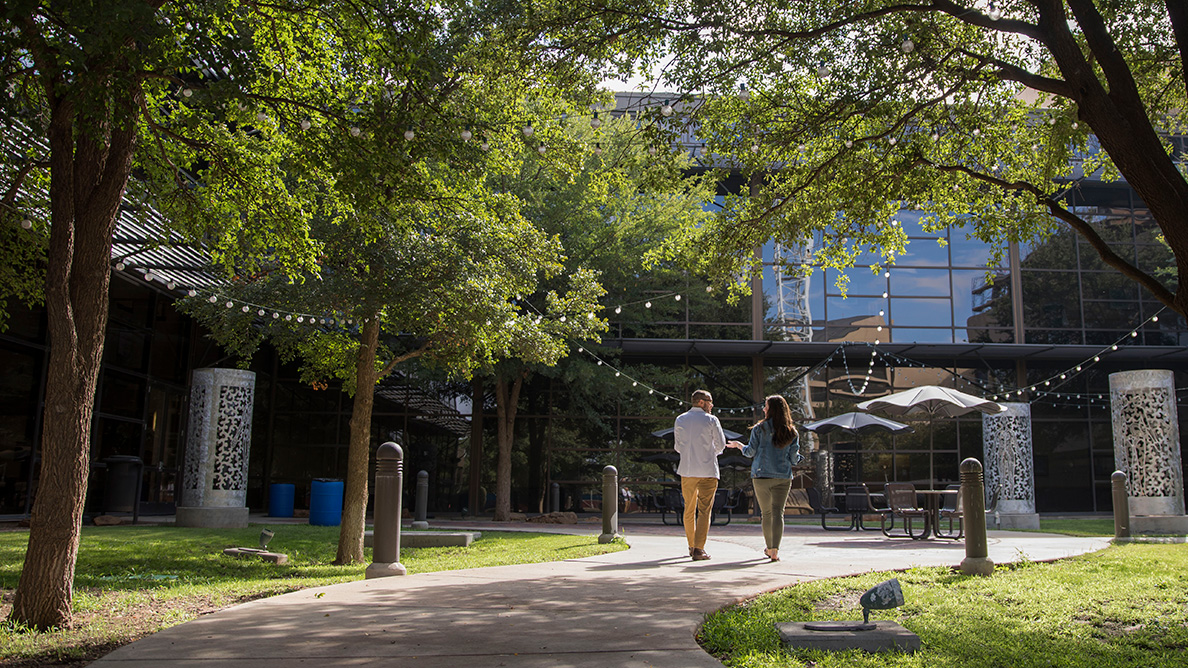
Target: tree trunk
87,182
507,399
354,503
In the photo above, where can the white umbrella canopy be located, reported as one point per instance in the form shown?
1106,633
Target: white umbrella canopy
856,422
931,400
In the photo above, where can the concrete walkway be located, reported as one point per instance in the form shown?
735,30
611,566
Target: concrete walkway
638,607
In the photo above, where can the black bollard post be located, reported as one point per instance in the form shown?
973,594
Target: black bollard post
973,490
555,505
610,504
1121,505
422,513
389,484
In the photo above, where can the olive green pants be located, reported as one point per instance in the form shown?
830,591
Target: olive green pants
771,494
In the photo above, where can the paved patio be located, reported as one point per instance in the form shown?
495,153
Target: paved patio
638,607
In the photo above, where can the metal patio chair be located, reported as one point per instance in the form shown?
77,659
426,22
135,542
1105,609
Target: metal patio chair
902,506
950,511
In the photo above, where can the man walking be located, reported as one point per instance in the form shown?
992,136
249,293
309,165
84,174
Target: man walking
698,438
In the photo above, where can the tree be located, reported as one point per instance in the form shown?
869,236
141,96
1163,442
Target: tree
985,115
603,205
226,113
422,258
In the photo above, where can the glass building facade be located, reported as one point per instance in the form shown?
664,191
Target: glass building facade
938,316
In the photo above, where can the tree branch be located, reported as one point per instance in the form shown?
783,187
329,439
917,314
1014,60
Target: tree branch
1078,225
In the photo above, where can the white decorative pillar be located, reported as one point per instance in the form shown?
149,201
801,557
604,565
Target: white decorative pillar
1010,468
1147,449
214,480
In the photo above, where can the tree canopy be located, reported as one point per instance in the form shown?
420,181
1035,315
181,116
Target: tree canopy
984,115
240,123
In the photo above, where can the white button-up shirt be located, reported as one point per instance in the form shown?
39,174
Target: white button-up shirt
698,438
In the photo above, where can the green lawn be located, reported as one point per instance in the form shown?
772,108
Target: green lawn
1123,607
132,581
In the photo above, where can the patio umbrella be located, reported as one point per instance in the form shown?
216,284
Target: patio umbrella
667,433
933,401
856,423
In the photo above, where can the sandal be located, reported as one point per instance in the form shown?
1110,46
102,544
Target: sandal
768,553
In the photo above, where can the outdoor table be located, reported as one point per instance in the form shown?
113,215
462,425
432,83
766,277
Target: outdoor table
933,500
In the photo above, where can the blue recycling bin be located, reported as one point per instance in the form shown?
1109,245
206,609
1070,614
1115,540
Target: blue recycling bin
325,502
280,499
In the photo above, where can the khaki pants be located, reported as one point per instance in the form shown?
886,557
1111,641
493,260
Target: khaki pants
699,499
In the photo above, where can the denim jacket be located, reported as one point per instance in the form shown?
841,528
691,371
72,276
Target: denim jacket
770,461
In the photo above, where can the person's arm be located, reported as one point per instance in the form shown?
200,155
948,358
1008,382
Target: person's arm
717,435
678,436
752,445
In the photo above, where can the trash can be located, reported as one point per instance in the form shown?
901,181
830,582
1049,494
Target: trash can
325,502
121,485
280,499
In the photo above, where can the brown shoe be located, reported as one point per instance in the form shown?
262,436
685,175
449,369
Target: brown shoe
700,554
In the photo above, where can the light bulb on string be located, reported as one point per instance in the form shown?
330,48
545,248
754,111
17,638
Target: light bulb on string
1133,335
542,149
678,298
300,319
1095,359
598,149
651,150
305,124
260,312
907,46
213,299
191,293
743,93
245,308
355,131
528,130
467,134
275,315
666,110
410,134
595,122
647,304
27,224
187,92
618,309
993,14
230,304
485,146
1114,347
120,266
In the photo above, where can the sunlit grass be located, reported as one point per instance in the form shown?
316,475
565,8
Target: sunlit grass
1121,607
131,581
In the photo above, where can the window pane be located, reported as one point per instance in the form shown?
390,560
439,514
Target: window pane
919,335
919,282
862,282
1050,299
925,252
970,252
1055,252
921,313
979,303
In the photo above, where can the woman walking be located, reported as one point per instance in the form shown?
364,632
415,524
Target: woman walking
774,445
